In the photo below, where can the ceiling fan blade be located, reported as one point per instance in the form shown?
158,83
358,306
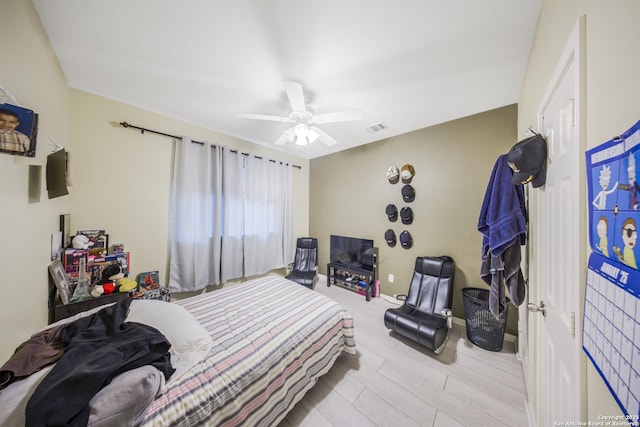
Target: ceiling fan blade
324,137
282,140
295,95
338,116
290,134
264,117
287,136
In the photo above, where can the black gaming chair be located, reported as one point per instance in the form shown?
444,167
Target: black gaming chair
305,264
426,315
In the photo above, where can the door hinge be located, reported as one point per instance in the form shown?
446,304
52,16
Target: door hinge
573,324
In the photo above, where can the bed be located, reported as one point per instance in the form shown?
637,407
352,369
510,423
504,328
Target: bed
251,353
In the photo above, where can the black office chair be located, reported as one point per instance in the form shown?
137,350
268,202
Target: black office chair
426,316
305,264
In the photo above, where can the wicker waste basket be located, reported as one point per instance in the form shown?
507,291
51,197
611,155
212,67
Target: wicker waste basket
483,329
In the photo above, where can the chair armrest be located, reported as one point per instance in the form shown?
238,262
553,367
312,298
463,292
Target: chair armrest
448,314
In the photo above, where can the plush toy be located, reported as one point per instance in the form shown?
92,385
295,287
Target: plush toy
99,252
80,241
97,290
126,285
108,287
111,273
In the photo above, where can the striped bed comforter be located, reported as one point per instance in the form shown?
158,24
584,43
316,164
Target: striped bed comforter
272,340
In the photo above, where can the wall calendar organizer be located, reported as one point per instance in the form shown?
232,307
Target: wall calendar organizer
611,324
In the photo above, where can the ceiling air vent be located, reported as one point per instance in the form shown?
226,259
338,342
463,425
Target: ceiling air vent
377,127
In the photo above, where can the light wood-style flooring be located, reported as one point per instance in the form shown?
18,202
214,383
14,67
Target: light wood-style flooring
394,382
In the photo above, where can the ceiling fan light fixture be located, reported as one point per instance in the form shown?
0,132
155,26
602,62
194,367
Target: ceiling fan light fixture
304,119
305,135
301,130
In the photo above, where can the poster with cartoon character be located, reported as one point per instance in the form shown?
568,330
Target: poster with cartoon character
614,208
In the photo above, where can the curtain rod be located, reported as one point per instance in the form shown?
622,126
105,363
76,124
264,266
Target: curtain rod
143,130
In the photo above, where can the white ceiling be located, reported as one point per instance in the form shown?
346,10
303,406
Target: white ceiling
407,63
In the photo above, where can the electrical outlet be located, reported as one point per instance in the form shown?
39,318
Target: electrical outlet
391,278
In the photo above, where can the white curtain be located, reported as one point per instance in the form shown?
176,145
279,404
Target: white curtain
267,215
195,217
288,241
230,216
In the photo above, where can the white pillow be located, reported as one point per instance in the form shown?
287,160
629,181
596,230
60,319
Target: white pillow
179,326
125,400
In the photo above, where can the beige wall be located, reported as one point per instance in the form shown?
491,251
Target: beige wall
121,178
612,96
108,165
30,72
349,192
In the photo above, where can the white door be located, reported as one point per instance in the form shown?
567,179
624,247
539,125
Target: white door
559,245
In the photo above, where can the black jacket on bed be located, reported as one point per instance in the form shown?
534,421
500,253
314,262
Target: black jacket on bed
96,349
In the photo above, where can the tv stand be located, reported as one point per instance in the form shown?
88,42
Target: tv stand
351,278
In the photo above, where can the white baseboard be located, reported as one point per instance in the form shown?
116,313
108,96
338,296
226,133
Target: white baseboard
531,417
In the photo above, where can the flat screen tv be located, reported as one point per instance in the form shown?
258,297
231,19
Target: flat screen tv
352,252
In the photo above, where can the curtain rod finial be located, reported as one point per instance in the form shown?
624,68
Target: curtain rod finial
124,124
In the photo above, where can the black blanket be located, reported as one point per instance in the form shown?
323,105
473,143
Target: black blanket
96,349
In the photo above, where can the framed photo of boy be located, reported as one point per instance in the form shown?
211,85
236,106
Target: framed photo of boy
56,270
18,130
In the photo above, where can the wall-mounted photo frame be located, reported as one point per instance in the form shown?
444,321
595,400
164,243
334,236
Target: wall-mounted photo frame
18,130
56,270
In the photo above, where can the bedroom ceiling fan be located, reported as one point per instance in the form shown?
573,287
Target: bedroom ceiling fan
304,131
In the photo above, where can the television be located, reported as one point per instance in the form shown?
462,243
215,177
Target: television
352,252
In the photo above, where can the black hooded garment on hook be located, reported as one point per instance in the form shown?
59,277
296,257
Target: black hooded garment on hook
96,349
